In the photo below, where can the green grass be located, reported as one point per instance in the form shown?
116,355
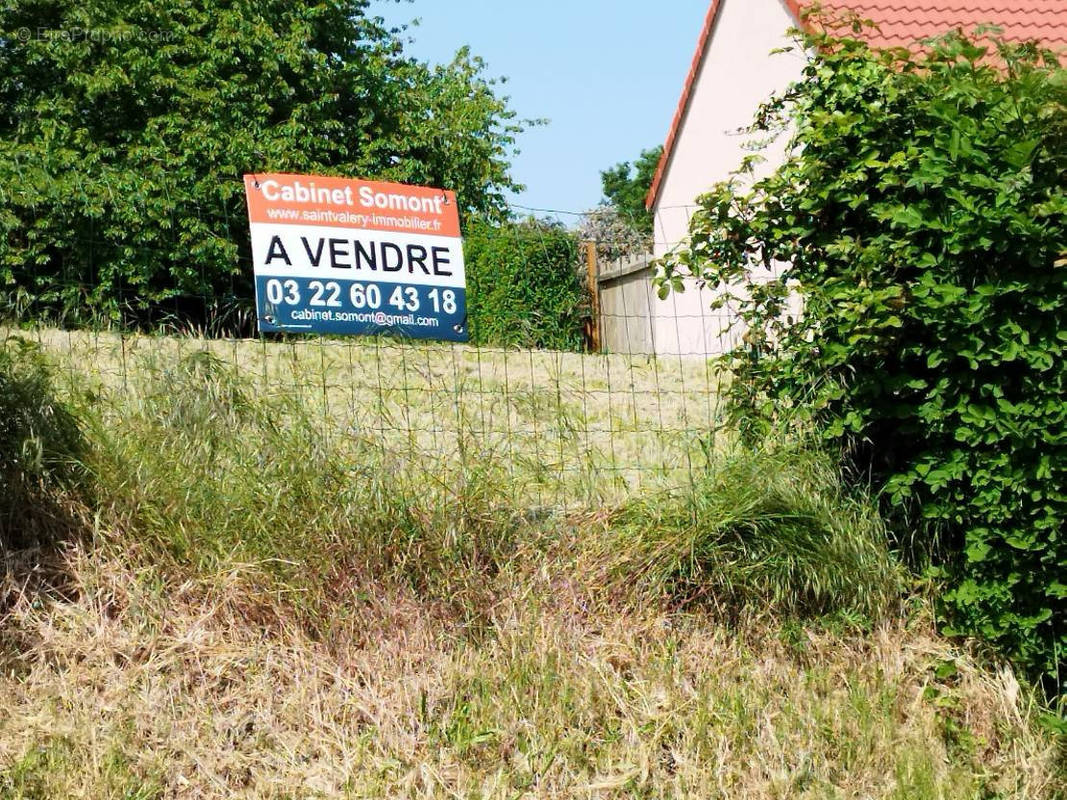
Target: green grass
207,471
774,527
40,449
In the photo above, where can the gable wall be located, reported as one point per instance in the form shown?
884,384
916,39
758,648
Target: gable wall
737,74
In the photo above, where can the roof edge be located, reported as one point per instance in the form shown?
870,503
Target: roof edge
706,35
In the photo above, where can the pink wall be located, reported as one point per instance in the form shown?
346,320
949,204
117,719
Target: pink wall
736,76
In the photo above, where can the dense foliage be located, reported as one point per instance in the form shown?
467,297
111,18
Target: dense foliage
922,219
524,288
626,187
40,448
125,129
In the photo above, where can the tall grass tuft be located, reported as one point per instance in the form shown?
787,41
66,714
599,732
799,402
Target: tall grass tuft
771,529
41,447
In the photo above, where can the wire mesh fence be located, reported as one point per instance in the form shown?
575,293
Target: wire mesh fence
570,426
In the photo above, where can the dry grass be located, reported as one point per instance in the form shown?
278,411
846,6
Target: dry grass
572,427
140,688
278,599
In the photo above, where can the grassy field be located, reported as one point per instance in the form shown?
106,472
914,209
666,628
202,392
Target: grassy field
495,576
570,426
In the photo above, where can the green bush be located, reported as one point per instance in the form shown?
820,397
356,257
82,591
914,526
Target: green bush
524,285
41,447
922,219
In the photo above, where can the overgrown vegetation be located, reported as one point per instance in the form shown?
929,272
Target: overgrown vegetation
524,285
202,473
145,689
41,447
922,221
125,129
273,598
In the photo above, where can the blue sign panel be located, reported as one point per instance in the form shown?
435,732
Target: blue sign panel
348,307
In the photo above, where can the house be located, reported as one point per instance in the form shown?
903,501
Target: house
733,72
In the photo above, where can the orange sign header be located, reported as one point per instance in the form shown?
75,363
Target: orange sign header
281,199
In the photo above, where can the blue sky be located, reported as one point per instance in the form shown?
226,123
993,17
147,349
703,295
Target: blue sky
606,73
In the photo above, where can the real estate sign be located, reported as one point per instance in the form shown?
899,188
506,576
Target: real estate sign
340,256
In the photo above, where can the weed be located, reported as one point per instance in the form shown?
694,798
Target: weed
41,446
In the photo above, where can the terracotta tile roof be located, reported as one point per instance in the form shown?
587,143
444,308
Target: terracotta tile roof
900,23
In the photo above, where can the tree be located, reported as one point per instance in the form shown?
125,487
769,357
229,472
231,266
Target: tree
922,218
125,128
626,187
